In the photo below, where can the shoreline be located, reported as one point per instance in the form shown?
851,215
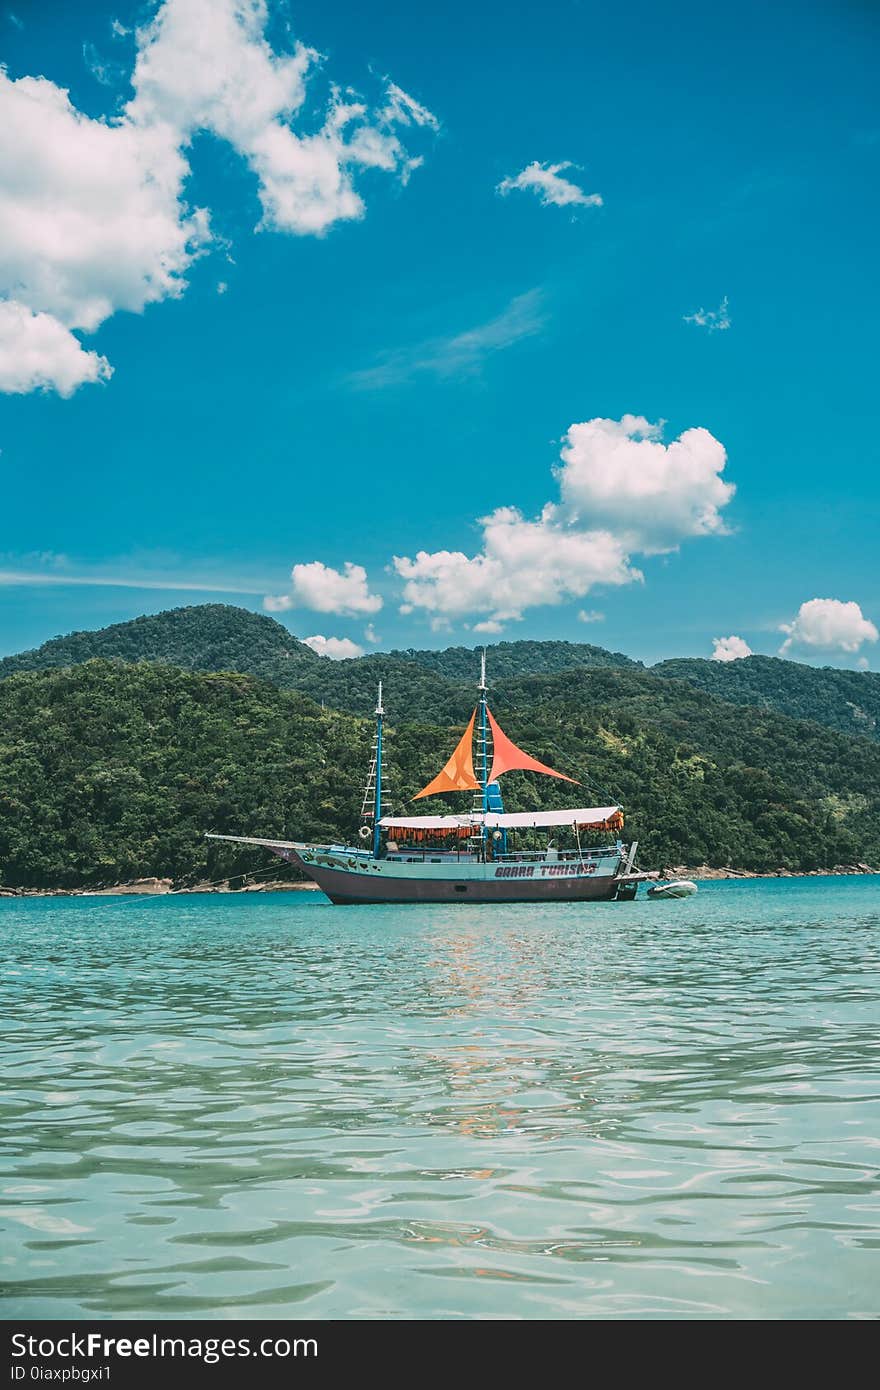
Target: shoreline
706,872
164,887
159,888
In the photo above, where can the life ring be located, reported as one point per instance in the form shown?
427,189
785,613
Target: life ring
365,832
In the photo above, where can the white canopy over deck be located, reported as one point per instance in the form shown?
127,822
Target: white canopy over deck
505,820
524,820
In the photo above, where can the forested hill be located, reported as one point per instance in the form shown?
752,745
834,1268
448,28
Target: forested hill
111,771
516,659
848,701
221,637
204,637
439,686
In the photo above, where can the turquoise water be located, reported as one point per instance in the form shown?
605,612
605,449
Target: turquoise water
265,1106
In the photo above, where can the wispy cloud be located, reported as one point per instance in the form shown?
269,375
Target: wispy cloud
172,583
716,320
108,74
462,354
545,180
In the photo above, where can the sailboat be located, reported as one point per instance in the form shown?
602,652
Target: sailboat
471,856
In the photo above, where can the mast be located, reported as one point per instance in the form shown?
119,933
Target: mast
483,772
481,795
377,809
371,809
482,800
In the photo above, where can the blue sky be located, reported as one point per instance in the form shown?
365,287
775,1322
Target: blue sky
375,390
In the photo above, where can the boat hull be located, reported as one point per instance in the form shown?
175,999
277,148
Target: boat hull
359,878
351,875
346,888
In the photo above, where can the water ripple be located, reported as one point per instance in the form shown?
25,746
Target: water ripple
268,1107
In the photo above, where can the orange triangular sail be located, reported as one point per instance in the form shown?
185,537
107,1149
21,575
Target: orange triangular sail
507,757
458,774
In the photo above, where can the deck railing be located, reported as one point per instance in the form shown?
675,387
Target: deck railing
567,856
563,856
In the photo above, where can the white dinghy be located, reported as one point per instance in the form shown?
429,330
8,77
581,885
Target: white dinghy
673,888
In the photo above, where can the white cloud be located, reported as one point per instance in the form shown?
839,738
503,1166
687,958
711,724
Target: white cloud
490,626
337,648
371,635
729,649
37,352
522,564
93,217
546,182
326,590
206,65
830,625
619,474
716,320
863,663
462,354
590,617
621,490
90,213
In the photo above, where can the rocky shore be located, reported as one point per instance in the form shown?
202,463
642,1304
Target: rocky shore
704,871
155,887
152,887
